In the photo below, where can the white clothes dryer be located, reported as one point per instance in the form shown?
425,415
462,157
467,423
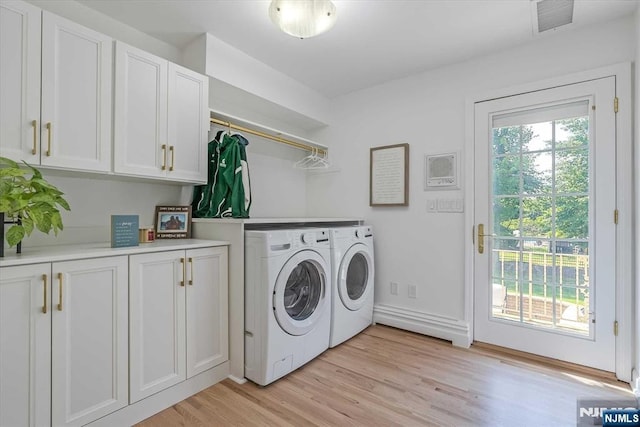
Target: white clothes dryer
352,281
287,300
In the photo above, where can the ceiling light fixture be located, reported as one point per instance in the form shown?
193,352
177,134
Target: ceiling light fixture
303,18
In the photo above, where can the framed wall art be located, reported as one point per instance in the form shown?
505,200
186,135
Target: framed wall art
389,175
173,222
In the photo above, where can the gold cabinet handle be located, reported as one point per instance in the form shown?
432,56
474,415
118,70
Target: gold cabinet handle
34,124
44,304
49,139
164,156
60,288
173,156
191,265
184,271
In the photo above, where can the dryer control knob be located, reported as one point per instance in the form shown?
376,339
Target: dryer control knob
359,234
308,238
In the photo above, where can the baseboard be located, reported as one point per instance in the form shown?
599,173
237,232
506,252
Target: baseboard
446,328
143,409
237,380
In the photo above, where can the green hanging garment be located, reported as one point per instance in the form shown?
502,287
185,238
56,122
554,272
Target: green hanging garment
224,195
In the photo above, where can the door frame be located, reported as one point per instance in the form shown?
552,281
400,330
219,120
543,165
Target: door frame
624,199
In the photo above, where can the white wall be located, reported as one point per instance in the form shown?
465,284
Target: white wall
428,112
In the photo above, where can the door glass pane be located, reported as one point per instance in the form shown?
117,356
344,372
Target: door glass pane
541,192
303,291
357,276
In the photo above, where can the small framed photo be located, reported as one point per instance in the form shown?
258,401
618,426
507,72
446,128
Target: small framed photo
173,222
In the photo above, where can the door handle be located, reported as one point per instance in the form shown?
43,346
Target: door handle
191,264
173,157
183,267
481,237
60,294
34,124
164,156
49,139
44,304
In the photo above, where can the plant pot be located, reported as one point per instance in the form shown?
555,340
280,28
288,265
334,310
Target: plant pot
2,234
3,222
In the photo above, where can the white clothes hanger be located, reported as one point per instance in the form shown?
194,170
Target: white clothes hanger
313,161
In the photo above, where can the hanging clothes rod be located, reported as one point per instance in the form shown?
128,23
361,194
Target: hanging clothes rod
320,151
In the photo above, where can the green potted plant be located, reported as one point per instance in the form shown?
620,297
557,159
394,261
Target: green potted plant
27,202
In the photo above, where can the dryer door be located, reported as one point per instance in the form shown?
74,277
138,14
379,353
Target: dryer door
299,296
355,277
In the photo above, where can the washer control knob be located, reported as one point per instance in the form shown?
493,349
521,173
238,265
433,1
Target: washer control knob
359,233
308,238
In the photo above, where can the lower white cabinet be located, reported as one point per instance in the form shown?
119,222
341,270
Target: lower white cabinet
84,338
63,342
25,346
178,317
89,351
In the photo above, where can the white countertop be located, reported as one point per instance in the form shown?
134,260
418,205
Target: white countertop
39,254
275,220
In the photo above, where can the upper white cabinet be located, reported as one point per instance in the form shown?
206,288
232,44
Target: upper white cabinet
56,82
161,118
188,122
20,81
77,68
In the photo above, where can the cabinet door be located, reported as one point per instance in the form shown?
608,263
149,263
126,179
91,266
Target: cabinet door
76,96
207,305
157,322
25,345
20,81
188,124
89,339
140,114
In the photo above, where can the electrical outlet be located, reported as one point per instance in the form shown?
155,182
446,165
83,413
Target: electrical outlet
413,291
394,288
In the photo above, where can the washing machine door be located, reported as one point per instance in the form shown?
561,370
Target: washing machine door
299,296
355,277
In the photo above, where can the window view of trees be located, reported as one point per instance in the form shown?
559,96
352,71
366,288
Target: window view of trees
546,181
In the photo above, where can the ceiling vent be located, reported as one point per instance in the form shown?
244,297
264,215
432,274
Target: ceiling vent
551,14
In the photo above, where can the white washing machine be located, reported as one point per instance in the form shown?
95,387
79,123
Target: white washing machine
352,281
287,300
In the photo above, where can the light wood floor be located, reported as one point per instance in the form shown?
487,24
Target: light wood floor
386,377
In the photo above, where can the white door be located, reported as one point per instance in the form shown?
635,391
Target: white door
207,302
157,322
89,339
25,346
544,212
20,81
188,124
76,96
140,114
